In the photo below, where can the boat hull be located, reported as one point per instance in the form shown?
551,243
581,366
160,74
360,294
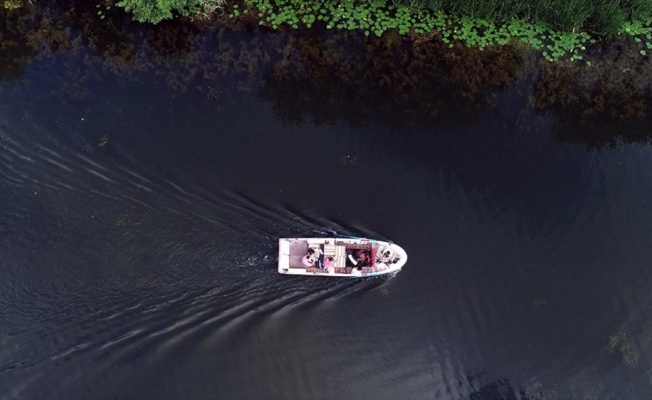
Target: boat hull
339,257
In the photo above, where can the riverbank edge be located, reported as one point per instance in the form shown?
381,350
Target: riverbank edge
317,65
375,17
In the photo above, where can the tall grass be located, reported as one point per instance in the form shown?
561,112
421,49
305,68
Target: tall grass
604,17
608,17
638,9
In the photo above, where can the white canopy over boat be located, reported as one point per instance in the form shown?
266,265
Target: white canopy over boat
340,257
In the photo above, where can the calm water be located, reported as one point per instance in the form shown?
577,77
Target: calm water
138,245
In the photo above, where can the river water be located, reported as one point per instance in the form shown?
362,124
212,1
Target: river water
139,226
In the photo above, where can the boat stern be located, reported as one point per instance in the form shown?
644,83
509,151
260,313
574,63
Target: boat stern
283,256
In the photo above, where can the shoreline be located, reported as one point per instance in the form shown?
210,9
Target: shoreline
564,34
377,18
420,78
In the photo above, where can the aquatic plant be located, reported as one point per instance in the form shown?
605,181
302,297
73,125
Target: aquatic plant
641,31
377,17
16,48
558,29
102,9
13,4
341,79
474,23
602,102
420,81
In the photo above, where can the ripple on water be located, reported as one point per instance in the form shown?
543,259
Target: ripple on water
139,266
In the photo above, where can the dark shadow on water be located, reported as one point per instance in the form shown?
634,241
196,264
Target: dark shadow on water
328,78
603,130
500,389
15,49
601,103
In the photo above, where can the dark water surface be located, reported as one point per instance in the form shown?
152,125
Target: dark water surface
138,238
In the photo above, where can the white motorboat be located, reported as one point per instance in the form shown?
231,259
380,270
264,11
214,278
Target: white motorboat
339,257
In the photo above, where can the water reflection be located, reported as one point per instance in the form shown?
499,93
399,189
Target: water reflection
15,48
110,265
601,103
143,188
343,78
328,77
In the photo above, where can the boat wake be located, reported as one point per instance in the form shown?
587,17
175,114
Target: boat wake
118,265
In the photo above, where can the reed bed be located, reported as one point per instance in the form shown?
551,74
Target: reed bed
601,17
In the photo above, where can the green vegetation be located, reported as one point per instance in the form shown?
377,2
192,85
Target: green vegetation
12,4
475,23
102,10
558,29
155,11
604,17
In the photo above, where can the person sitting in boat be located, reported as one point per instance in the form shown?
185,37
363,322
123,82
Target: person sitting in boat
363,258
310,259
386,255
329,262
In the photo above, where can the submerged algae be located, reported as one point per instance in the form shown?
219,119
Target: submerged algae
387,79
331,76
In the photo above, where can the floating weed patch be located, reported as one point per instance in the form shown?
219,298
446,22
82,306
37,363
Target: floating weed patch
641,31
377,16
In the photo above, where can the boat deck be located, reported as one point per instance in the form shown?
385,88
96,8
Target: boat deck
334,257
